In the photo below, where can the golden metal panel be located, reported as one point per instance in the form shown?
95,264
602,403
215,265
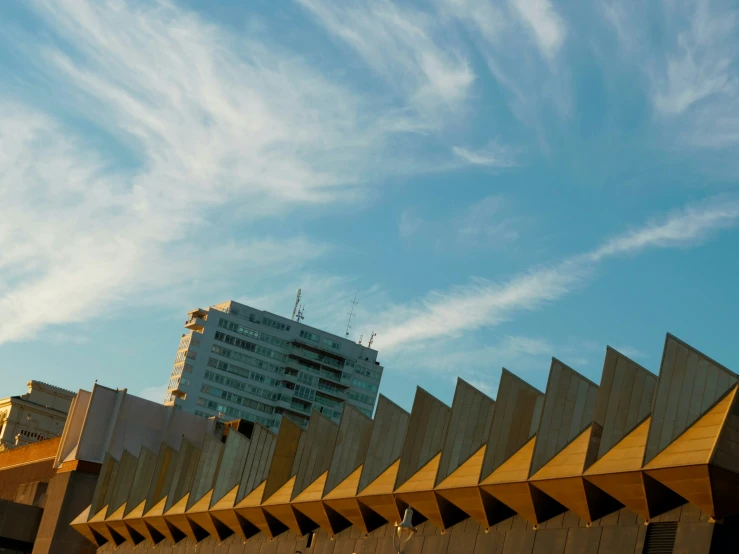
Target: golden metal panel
627,488
626,455
569,462
516,468
695,446
693,483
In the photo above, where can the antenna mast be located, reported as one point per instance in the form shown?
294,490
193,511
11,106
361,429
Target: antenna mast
372,337
299,316
297,301
351,314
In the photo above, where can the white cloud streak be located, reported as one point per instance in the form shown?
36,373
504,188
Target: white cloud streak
692,67
213,127
490,156
487,304
545,23
404,47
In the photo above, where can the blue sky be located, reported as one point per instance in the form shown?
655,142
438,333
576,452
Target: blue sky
499,182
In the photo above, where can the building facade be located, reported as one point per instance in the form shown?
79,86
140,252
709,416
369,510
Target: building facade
638,464
238,362
37,415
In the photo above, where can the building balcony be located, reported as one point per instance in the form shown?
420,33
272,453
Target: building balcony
336,392
331,376
297,407
195,324
323,355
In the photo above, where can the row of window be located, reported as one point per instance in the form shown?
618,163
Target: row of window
304,392
330,413
227,353
364,385
275,324
236,370
359,397
250,346
184,342
238,399
318,357
366,372
320,399
240,385
267,422
240,329
307,335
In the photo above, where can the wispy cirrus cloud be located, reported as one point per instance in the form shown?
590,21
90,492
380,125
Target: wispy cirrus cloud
406,47
491,155
546,25
484,303
190,121
486,222
692,66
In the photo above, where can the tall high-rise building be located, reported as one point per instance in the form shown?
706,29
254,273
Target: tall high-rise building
236,361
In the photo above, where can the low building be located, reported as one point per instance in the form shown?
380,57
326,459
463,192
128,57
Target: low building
38,415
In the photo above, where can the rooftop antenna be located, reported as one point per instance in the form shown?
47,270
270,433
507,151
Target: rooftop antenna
351,314
299,316
372,338
360,339
297,301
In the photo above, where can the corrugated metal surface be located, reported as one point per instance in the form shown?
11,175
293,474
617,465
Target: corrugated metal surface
289,439
352,441
515,420
163,475
386,441
689,384
624,400
568,410
232,464
469,428
314,456
258,460
142,478
425,437
208,464
184,472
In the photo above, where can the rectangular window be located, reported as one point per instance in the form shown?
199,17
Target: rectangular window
309,336
331,344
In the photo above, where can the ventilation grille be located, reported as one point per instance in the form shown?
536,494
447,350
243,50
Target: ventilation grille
660,538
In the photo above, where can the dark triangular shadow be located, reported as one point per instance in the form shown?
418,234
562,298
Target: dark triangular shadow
305,524
660,499
199,533
276,527
136,537
336,520
247,527
600,503
177,535
372,519
545,506
450,514
99,539
117,538
223,531
155,535
495,510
